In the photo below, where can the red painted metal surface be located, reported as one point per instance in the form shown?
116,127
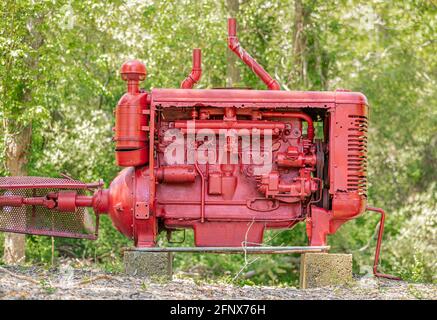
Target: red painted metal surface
270,99
131,120
196,71
236,47
184,151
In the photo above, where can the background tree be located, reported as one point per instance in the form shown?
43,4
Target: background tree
22,25
232,71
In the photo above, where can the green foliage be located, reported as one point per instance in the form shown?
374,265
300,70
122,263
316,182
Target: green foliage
59,66
414,246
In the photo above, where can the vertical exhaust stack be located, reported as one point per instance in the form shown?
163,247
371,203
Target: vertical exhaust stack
196,71
235,46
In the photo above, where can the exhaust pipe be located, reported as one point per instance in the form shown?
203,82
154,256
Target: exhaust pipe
196,71
235,46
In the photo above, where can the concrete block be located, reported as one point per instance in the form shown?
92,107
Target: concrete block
325,269
148,264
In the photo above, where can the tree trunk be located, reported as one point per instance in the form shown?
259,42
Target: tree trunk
18,140
298,76
232,72
17,148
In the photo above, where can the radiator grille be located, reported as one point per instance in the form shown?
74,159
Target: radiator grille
357,155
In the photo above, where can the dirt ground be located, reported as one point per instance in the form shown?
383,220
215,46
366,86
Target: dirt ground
69,283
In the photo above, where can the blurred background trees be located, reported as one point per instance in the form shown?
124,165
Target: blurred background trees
59,84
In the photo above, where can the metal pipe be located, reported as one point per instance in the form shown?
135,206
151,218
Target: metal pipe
11,201
176,174
196,71
202,191
378,245
234,45
275,126
19,201
152,177
253,250
300,115
84,201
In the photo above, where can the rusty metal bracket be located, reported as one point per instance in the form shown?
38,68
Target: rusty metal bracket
378,245
169,234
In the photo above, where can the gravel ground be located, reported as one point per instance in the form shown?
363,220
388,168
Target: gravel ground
69,283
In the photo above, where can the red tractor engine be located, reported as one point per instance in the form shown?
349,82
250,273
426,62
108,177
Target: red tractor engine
227,163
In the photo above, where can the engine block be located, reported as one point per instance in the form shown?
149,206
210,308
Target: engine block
232,163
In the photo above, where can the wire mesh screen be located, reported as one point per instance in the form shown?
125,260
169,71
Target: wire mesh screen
39,220
39,182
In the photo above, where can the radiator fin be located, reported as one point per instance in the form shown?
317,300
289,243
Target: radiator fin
357,155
